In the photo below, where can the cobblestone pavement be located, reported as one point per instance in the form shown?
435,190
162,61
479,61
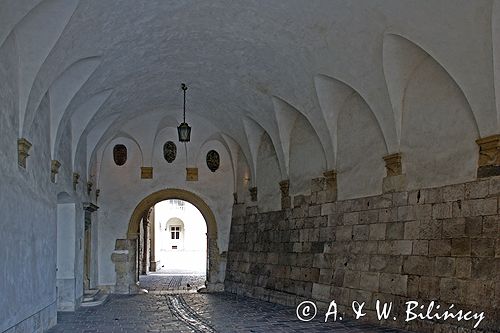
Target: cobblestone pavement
168,283
170,307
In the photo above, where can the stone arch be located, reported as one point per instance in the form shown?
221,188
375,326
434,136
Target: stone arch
214,257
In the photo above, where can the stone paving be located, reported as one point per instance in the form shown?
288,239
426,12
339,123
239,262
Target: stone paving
195,312
163,283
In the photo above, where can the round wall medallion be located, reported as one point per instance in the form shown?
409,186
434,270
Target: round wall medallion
169,151
120,154
213,160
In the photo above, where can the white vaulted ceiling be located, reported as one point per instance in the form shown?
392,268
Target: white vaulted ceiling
250,65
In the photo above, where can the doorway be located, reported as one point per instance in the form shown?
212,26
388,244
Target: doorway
129,253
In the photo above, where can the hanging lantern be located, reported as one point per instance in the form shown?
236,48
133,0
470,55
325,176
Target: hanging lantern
184,130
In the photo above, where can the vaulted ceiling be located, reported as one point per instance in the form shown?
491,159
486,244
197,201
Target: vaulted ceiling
250,65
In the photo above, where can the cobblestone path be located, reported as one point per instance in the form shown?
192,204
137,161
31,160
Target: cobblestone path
194,312
162,283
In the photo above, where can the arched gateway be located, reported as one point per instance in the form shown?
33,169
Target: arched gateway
124,255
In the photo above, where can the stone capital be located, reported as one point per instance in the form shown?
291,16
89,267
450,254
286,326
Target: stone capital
54,169
23,148
76,179
191,174
90,207
393,164
395,181
253,193
146,172
489,156
286,201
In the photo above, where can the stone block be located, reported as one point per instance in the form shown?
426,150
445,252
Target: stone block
479,293
360,232
423,212
395,231
433,195
321,292
477,190
382,201
453,192
491,226
344,233
400,199
413,284
395,247
454,227
351,279
406,213
412,230
420,247
479,207
418,265
388,214
430,229
394,284
461,247
428,287
386,264
369,281
452,290
482,247
377,231
439,247
444,266
415,197
494,186
314,210
328,208
362,296
368,216
350,218
473,226
463,267
442,210
485,268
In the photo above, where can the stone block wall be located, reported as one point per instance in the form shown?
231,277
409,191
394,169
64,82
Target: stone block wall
438,244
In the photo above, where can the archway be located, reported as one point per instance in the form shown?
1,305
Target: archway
124,255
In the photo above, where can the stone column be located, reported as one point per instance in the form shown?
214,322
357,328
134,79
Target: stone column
489,156
88,208
286,201
124,258
395,181
145,250
152,228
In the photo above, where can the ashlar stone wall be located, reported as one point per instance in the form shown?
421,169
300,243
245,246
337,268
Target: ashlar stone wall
439,244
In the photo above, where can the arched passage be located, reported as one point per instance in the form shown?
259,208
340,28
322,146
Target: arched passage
124,255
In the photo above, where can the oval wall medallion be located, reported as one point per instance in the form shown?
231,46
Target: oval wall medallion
120,154
213,160
169,151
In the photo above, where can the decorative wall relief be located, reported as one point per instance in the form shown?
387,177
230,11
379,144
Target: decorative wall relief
169,151
120,154
213,160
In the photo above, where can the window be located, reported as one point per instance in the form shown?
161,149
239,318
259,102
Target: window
175,232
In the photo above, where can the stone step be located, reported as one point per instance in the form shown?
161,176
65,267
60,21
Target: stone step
98,299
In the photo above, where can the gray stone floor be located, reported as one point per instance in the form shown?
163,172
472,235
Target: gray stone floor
193,312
